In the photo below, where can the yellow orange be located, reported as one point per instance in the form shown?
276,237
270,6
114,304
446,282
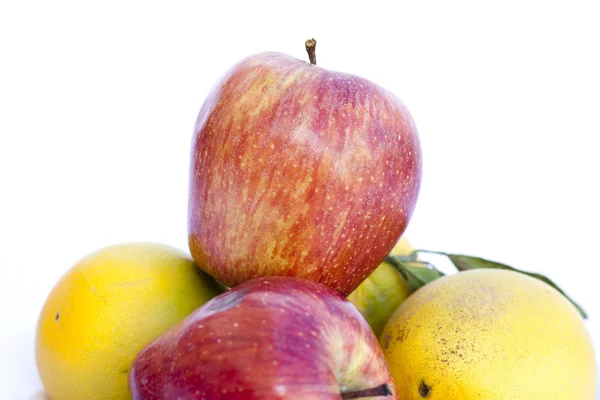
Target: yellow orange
378,296
489,334
105,309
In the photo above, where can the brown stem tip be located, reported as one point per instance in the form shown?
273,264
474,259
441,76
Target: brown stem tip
424,389
381,390
311,48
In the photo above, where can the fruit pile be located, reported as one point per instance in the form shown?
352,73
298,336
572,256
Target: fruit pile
302,182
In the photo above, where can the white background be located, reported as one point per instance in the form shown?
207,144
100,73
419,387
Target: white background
98,103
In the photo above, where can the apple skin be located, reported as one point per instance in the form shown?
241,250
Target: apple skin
269,338
299,171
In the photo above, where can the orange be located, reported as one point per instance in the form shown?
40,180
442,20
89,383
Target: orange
489,334
106,309
378,296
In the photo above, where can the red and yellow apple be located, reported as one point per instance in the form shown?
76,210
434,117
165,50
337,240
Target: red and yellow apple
269,338
299,171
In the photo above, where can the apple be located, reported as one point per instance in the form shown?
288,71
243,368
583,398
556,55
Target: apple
299,171
269,338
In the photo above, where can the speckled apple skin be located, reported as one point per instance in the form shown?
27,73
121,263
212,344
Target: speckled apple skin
269,338
299,171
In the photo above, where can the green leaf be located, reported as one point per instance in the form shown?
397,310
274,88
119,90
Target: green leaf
465,263
413,256
416,277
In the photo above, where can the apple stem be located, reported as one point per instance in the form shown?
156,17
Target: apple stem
381,390
311,48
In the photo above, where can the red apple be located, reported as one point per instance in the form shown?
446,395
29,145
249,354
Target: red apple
300,171
269,338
